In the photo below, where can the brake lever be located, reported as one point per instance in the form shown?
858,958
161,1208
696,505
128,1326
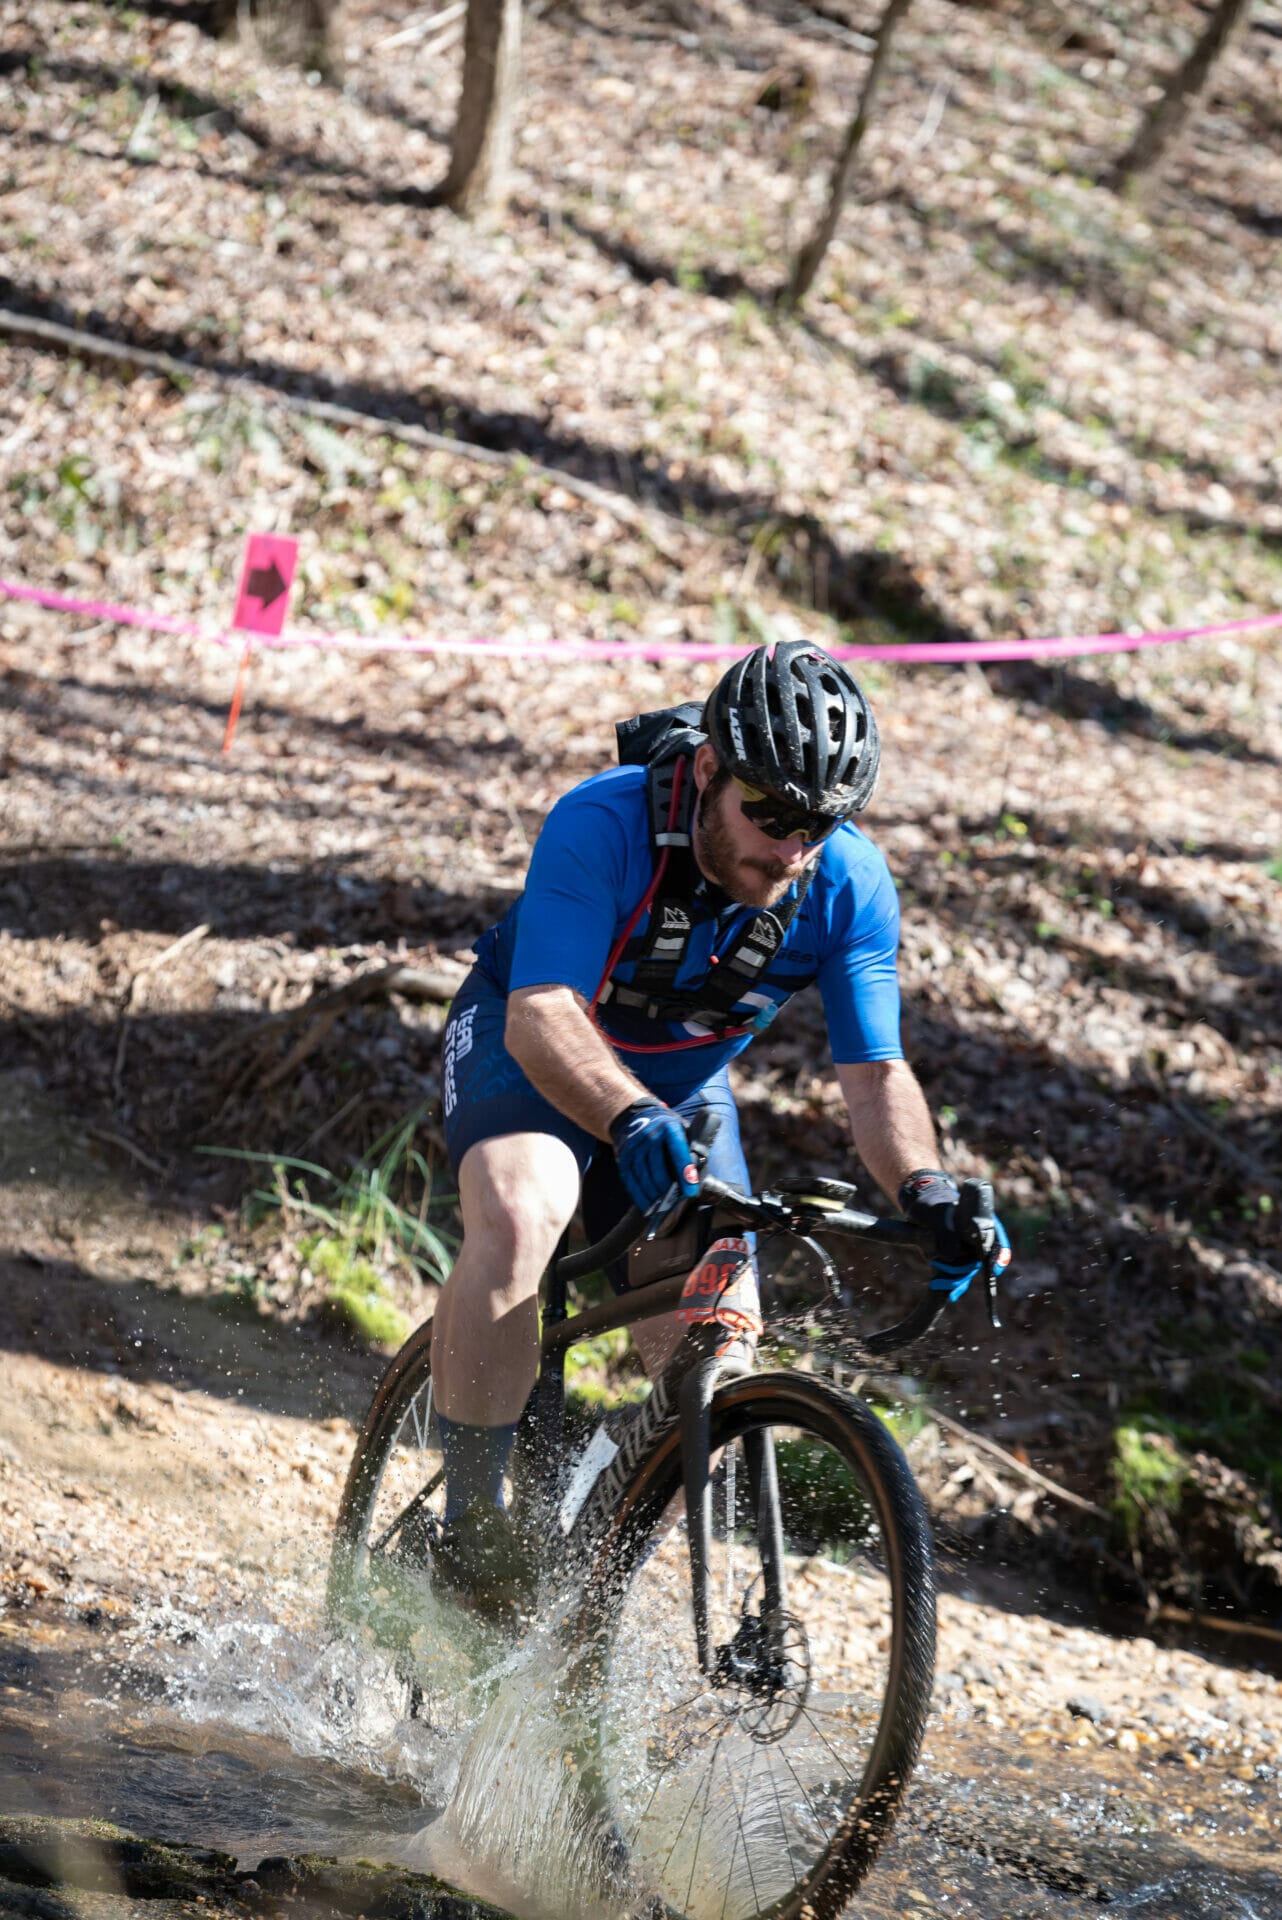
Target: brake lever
975,1215
672,1209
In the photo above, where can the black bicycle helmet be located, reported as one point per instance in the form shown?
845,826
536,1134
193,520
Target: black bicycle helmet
790,719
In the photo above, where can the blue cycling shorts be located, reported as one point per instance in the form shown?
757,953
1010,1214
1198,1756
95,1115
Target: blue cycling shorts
484,1094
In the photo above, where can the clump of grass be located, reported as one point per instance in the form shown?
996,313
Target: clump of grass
602,1373
363,1228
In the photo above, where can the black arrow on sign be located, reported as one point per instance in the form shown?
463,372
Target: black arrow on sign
266,583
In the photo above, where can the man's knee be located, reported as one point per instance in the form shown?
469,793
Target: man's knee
517,1195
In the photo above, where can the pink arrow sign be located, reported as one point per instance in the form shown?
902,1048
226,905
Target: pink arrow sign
265,580
261,604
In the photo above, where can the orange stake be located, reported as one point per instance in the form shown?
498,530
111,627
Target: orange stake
237,695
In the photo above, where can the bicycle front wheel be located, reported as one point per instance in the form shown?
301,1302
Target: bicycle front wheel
764,1783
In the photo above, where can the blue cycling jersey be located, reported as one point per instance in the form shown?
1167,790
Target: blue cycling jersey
592,865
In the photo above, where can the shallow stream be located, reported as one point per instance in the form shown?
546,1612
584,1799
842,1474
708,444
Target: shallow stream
262,1740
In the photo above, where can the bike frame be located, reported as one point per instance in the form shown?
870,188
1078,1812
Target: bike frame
685,1390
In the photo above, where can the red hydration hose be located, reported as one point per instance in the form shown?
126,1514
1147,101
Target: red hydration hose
616,952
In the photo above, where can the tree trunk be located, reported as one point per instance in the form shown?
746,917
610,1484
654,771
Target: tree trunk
1166,119
481,148
808,261
288,32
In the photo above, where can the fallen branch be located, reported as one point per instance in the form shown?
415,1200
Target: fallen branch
132,999
130,1147
322,1010
1255,1170
189,939
1016,1465
663,530
1216,1623
421,25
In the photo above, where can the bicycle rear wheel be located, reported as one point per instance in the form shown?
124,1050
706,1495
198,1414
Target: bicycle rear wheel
767,1787
380,1574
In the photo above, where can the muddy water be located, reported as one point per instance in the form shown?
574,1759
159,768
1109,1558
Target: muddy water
261,1740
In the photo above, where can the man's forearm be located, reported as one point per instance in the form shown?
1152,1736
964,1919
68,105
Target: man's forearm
550,1037
891,1123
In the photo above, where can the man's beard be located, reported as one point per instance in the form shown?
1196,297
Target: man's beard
753,882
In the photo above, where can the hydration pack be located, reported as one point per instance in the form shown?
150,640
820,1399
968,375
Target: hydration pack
665,743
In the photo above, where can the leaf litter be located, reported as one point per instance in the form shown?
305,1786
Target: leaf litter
971,430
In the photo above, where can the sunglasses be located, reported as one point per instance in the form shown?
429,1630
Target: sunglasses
778,821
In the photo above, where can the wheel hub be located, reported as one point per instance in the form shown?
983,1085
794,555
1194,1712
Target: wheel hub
768,1665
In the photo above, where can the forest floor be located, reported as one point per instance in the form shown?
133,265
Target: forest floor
1015,405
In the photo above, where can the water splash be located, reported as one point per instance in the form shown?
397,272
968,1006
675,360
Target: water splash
499,1752
1195,1895
524,1826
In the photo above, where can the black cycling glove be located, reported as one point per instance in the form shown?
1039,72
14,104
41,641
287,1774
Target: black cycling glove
656,1162
929,1197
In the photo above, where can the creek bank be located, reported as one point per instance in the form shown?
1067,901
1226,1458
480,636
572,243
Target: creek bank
155,1877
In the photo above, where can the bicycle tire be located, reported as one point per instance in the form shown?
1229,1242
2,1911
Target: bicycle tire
406,1380
381,1596
790,1403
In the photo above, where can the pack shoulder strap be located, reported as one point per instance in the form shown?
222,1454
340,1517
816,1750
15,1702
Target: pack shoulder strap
653,990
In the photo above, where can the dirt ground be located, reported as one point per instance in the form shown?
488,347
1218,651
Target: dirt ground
1090,962
970,433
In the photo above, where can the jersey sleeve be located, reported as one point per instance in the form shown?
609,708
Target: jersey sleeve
575,895
859,977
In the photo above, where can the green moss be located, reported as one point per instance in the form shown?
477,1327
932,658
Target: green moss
1149,1475
1226,1409
355,1291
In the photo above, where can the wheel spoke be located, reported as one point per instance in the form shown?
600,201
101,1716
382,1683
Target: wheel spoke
407,1512
731,1456
805,1714
805,1793
681,1829
422,1424
741,1834
703,1821
783,1819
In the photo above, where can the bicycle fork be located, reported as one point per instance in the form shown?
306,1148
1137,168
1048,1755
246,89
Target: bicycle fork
695,1413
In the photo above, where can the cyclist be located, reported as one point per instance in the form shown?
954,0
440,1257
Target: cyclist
603,1011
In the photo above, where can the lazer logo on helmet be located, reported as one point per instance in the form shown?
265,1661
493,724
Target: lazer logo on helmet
736,733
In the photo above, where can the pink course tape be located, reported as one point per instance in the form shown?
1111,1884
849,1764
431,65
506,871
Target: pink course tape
927,651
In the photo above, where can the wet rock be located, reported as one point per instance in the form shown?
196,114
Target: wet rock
43,1860
32,1903
95,1857
316,1883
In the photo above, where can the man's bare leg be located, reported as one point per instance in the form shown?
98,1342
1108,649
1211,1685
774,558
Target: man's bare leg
517,1194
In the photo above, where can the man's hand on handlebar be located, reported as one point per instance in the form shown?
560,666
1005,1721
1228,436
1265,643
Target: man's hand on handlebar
968,1237
657,1163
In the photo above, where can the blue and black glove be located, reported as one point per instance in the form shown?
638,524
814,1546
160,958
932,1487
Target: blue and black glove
966,1230
656,1162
